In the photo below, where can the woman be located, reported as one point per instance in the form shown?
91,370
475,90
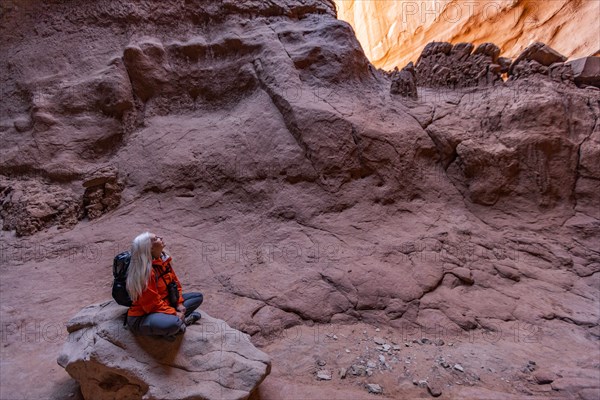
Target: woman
149,275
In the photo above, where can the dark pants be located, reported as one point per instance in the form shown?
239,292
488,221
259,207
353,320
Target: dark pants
159,324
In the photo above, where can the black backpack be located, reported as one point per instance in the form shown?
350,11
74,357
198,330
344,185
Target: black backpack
119,289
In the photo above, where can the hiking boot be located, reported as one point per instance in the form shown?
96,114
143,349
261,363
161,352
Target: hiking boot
192,318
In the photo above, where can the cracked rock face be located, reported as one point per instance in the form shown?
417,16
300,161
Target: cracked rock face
210,361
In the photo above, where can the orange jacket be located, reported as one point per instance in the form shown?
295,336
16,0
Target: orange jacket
155,297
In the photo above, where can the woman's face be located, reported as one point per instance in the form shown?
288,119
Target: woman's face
157,244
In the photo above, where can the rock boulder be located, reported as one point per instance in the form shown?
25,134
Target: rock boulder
586,71
442,64
210,361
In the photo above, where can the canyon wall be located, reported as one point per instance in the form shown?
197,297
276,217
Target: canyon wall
393,32
301,194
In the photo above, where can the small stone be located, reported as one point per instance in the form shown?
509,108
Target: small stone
458,367
324,375
381,359
321,363
371,364
386,347
406,344
343,372
445,364
335,337
369,372
422,384
377,330
450,344
396,347
374,388
434,390
378,340
425,341
347,350
357,370
543,377
438,342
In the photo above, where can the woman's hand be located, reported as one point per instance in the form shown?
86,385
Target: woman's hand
181,308
181,315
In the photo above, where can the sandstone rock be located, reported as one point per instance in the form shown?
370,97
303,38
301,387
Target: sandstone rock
434,390
575,384
404,82
31,206
543,60
102,192
379,340
489,49
393,33
324,375
507,272
504,63
443,65
357,370
586,71
276,158
374,388
540,53
210,361
543,377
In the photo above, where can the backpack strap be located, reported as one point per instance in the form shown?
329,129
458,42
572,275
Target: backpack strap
162,274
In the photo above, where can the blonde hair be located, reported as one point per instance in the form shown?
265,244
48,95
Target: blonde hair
140,265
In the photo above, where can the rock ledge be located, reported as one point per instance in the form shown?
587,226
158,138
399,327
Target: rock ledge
210,361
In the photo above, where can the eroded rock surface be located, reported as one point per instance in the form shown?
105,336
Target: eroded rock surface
210,361
29,206
102,193
447,65
296,191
